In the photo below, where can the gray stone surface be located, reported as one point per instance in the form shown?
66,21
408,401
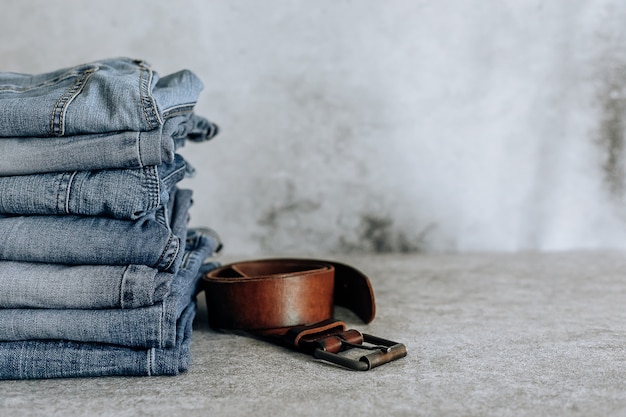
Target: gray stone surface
488,335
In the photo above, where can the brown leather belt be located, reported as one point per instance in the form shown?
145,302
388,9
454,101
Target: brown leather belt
291,302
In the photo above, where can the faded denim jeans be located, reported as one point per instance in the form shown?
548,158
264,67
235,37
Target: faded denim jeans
153,326
34,359
98,271
55,358
110,150
120,193
114,113
79,240
31,285
118,94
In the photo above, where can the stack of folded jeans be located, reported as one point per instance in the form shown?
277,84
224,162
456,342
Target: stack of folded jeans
98,268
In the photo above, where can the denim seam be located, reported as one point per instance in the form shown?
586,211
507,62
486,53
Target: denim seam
154,187
178,110
150,358
173,173
161,321
174,255
149,107
138,143
57,120
165,251
122,286
74,72
68,191
185,261
60,187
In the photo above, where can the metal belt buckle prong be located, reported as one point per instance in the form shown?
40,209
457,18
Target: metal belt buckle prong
383,351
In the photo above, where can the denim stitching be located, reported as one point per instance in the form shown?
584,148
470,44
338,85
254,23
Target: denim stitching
149,107
150,360
122,285
161,321
68,191
75,72
154,186
138,142
163,254
175,254
57,122
60,192
177,110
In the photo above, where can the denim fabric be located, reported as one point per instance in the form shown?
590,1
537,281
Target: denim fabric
111,150
57,286
36,359
195,129
104,96
149,327
122,194
80,240
98,272
41,285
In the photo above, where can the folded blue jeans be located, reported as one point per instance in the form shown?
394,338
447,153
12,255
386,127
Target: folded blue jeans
117,193
154,241
145,327
118,94
43,285
31,285
110,150
35,359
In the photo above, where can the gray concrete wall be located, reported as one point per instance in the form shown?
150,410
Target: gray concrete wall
454,125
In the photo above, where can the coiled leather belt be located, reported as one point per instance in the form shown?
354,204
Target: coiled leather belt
291,302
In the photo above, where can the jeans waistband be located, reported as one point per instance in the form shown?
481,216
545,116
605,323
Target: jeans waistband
102,96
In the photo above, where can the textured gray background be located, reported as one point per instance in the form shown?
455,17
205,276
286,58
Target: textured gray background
348,126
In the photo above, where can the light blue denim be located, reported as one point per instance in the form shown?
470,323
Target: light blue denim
145,327
36,359
118,94
42,285
110,114
79,240
58,286
109,150
122,194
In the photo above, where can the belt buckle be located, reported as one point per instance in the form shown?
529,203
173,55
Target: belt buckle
384,351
